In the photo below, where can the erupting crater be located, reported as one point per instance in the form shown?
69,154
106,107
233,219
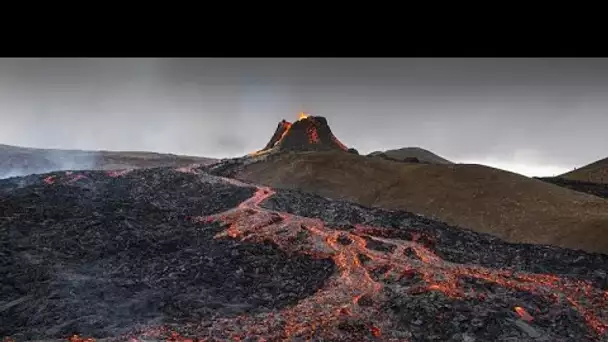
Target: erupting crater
307,133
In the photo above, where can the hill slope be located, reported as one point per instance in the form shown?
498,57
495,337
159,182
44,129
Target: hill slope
484,199
596,172
422,155
19,161
174,255
596,189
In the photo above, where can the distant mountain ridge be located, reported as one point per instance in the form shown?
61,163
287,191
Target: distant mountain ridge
411,154
596,189
596,172
19,161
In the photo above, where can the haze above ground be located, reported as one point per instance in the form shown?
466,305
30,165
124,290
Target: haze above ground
537,117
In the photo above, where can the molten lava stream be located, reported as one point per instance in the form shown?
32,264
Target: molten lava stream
287,126
339,298
342,146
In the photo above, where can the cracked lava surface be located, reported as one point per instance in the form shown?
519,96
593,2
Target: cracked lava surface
321,315
351,305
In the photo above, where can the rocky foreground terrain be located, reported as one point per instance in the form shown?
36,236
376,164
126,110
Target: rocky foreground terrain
170,254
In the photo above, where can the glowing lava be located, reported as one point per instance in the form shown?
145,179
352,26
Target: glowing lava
341,296
118,173
71,178
523,314
287,126
77,338
316,132
313,135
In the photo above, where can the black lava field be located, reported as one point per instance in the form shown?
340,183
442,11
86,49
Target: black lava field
182,255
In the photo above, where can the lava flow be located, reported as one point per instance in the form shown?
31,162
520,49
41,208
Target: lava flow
341,299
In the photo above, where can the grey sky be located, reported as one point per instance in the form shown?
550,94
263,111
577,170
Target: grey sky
534,116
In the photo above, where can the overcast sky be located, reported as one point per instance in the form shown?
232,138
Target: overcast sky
532,116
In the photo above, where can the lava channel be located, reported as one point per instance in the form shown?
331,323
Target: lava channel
338,299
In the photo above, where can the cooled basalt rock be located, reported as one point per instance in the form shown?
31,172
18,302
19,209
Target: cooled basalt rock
180,254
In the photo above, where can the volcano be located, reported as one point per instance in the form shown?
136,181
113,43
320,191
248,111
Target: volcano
195,253
308,133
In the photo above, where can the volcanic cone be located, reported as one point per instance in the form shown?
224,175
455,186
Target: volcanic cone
308,133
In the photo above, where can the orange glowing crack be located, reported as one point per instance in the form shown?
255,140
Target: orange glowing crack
77,338
71,177
341,295
287,126
118,173
340,298
523,314
313,135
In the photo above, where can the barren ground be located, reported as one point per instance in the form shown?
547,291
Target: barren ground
484,199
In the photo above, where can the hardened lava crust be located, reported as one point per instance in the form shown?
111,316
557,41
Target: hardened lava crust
100,254
181,255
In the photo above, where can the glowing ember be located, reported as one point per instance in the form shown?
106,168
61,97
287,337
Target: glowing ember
49,180
354,293
76,338
523,314
118,173
287,126
301,135
341,296
73,178
313,135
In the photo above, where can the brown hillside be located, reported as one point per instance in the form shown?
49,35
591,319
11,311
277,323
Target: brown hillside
596,172
484,199
421,154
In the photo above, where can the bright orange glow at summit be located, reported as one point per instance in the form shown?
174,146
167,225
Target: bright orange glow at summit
303,116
